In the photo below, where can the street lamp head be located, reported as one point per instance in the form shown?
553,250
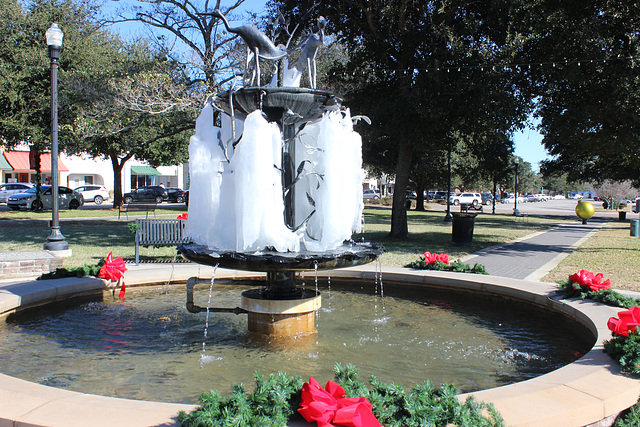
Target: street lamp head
517,160
54,37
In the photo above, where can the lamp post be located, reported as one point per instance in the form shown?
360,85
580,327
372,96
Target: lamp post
448,217
55,241
515,197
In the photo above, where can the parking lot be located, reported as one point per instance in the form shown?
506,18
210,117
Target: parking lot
562,208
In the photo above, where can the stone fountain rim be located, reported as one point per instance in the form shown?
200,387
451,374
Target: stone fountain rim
581,393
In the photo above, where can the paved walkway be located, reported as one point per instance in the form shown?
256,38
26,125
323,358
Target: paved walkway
533,256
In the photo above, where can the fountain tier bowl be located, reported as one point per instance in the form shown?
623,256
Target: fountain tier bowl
294,105
349,254
584,392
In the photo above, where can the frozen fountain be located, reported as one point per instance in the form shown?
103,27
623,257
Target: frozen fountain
276,186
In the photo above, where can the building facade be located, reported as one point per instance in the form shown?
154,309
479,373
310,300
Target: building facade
75,171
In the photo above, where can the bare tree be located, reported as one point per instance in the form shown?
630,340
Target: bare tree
191,35
612,191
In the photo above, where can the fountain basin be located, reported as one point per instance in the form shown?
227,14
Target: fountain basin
584,392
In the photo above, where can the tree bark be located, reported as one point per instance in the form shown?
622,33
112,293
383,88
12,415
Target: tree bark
399,227
117,177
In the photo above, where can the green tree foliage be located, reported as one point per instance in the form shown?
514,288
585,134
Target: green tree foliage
115,101
136,106
25,95
418,70
528,181
558,183
588,86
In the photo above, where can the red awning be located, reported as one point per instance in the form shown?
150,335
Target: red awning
19,161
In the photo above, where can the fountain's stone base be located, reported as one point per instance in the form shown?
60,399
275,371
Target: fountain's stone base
280,318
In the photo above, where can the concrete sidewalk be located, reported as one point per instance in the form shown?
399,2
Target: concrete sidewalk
533,256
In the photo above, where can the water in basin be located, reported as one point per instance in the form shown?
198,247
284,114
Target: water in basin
149,347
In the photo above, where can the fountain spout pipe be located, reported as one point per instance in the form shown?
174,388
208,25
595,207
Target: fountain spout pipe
193,308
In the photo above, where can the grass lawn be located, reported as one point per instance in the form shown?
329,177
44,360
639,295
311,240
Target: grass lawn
611,251
93,233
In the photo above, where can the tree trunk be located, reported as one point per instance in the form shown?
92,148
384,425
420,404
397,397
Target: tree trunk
419,199
399,227
495,196
117,177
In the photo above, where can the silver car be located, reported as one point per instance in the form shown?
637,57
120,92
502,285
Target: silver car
67,199
12,188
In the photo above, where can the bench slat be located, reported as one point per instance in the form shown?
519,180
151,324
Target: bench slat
159,232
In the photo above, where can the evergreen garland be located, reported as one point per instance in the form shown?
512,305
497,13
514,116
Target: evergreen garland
276,399
457,266
626,350
424,405
85,270
570,289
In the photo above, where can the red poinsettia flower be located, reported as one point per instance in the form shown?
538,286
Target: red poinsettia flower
592,281
443,258
596,283
627,322
183,215
328,406
582,277
431,258
113,270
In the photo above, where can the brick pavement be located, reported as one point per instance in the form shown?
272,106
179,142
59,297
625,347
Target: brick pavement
533,256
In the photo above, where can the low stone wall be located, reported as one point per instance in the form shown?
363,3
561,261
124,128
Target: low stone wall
22,264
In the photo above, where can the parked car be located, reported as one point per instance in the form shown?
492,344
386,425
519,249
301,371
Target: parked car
487,198
474,199
511,199
150,193
371,194
175,195
93,193
67,199
576,196
440,195
10,188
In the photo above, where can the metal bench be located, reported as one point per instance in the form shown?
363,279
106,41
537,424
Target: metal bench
135,206
158,232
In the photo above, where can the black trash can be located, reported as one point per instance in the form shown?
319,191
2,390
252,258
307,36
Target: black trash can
462,229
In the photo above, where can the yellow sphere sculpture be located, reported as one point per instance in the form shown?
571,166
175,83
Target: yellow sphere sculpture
584,210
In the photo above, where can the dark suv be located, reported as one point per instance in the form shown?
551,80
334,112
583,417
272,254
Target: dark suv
487,198
175,195
150,193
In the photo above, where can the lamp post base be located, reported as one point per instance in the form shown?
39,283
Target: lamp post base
55,241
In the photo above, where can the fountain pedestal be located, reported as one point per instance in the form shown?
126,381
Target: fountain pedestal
280,318
307,163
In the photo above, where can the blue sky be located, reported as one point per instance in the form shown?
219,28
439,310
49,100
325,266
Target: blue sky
527,143
529,147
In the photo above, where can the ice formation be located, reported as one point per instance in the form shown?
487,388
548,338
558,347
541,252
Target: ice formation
236,200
